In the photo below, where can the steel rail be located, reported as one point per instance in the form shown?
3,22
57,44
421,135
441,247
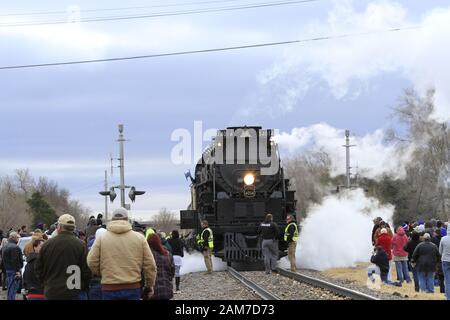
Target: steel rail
260,291
339,290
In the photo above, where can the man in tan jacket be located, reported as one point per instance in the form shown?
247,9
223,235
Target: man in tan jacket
119,256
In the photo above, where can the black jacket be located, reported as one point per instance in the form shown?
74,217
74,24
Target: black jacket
268,230
426,257
381,260
30,281
56,262
12,257
205,237
177,247
410,247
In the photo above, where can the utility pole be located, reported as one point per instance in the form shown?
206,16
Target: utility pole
347,158
122,167
106,199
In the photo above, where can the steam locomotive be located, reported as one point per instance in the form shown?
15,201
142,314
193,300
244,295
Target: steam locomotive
238,180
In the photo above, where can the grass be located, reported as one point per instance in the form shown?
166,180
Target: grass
358,275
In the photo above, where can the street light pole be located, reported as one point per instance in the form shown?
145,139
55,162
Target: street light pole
347,159
122,167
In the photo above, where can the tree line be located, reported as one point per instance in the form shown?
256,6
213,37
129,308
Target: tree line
27,201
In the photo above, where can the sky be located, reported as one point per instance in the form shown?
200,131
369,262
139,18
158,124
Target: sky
61,121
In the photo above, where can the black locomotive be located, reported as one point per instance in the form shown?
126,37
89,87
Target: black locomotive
236,182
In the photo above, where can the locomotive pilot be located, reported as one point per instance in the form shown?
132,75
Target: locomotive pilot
291,237
206,244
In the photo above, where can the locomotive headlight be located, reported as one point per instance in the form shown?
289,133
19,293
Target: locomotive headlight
249,179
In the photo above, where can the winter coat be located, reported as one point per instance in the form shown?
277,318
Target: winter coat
177,247
55,263
12,256
436,240
268,230
30,280
426,256
385,241
410,247
119,256
163,289
399,240
378,232
381,260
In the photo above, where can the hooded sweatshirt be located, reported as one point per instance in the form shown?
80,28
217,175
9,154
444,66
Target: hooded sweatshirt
119,256
444,246
399,240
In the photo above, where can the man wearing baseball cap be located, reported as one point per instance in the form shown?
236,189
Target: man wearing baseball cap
61,265
121,256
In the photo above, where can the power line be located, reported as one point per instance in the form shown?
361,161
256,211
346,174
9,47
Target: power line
178,53
161,14
87,187
119,8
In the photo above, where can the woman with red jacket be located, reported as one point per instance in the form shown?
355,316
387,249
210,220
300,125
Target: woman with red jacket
399,241
385,241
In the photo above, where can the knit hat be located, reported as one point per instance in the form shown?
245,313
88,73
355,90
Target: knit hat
405,226
426,236
384,230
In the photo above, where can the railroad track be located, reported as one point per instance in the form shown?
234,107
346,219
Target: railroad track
259,290
265,294
339,290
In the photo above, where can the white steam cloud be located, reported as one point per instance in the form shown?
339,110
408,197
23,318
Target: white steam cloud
371,155
193,262
347,65
337,232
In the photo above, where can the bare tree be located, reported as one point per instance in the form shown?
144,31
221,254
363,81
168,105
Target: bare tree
165,220
310,177
16,190
427,195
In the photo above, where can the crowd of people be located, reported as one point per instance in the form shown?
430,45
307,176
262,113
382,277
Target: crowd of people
117,261
420,248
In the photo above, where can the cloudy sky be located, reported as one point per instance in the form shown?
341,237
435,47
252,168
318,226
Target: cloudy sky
61,121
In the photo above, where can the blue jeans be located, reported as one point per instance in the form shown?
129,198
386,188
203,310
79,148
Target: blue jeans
446,270
402,271
12,283
95,291
426,281
129,294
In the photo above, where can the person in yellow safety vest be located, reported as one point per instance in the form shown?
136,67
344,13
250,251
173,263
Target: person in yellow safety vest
149,232
291,237
206,244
